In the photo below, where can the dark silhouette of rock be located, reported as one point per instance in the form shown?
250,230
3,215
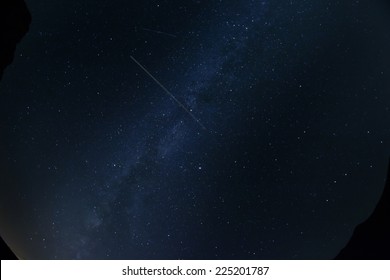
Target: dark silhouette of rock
5,251
15,20
371,239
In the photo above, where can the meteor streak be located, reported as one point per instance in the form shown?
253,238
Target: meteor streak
159,32
169,93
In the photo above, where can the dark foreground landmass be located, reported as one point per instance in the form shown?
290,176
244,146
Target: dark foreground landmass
371,239
15,20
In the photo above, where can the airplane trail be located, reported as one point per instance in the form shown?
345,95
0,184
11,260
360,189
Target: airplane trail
169,93
159,32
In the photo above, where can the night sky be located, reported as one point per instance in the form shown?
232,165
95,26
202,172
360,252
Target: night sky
278,152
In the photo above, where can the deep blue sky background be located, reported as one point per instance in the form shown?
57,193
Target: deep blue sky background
100,163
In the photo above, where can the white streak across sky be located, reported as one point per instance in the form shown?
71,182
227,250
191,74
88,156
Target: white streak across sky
158,148
169,93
